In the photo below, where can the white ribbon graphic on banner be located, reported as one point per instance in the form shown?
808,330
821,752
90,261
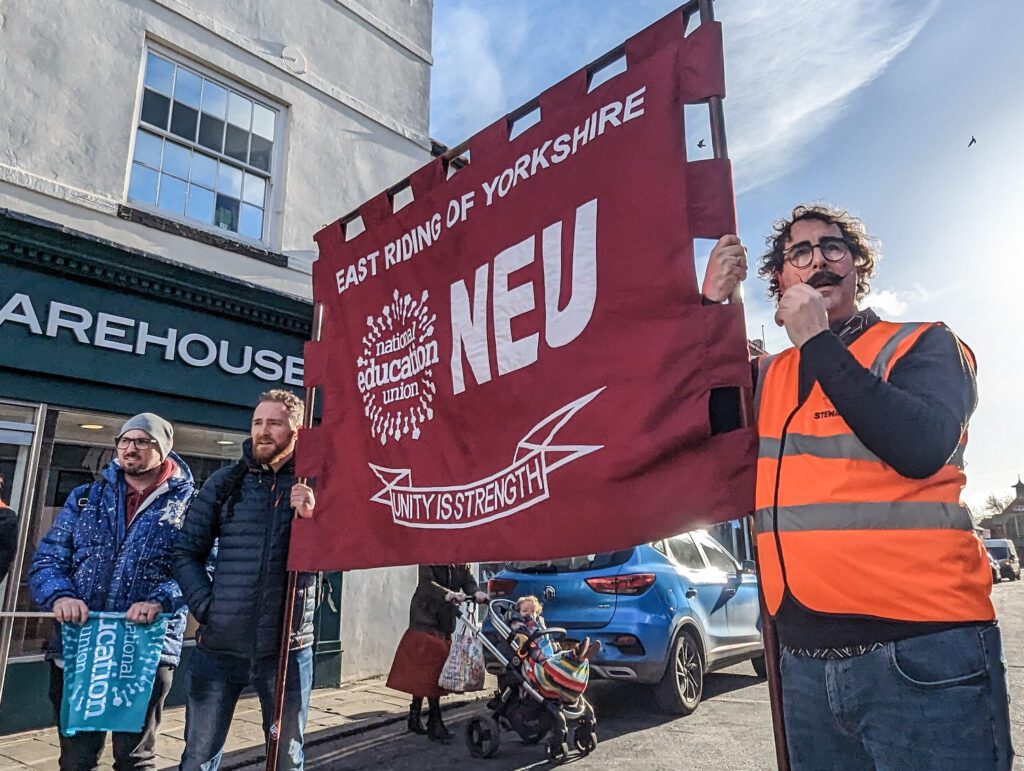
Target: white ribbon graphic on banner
518,486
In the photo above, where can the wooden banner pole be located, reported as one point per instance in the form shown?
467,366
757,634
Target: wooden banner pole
771,643
274,737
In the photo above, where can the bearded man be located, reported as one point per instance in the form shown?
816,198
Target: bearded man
247,510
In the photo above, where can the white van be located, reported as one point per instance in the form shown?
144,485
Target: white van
1004,552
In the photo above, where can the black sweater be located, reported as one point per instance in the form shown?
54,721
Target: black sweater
913,422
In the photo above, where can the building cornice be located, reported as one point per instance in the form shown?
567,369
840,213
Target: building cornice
50,248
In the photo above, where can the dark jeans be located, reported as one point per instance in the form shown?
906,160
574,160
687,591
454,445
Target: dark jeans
81,752
937,701
216,680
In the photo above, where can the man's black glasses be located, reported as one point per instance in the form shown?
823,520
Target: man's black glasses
832,249
141,443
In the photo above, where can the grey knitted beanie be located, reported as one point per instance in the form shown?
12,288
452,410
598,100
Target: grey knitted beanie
158,428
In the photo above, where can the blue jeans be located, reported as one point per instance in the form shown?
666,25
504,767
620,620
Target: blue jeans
938,701
216,680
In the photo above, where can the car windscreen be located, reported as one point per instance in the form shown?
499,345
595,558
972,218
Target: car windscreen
573,564
999,552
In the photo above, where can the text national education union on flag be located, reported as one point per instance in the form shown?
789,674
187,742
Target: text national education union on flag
109,666
516,364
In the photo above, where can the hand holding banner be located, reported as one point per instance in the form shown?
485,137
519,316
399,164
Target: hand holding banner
109,666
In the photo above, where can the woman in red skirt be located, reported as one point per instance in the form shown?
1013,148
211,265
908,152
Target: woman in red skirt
424,647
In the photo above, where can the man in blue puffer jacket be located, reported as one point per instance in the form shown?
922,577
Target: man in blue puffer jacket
109,549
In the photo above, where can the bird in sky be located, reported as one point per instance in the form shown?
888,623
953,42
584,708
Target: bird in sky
701,143
973,141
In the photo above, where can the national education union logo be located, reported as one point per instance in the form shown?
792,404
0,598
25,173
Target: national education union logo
395,376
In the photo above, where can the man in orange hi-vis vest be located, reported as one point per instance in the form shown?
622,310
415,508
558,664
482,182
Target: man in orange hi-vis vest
891,655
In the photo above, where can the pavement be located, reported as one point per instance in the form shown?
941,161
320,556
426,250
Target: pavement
334,715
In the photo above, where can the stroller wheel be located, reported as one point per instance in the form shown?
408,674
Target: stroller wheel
585,739
483,737
558,753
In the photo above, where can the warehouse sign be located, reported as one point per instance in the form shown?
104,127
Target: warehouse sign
137,337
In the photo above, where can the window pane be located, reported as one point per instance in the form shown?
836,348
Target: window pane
159,74
252,222
229,181
176,160
263,121
155,108
147,149
226,215
184,121
172,195
236,144
211,132
254,191
215,99
200,204
187,88
260,154
718,558
142,186
204,170
685,552
239,111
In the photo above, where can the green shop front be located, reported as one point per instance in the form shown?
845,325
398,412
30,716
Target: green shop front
91,334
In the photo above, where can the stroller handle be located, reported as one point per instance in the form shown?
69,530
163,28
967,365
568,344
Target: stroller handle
555,632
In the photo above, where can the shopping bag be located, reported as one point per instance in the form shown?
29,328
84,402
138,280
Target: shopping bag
109,666
464,668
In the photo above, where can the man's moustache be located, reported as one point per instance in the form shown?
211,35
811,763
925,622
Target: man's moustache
824,278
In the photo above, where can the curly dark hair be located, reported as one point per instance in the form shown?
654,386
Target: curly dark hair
865,248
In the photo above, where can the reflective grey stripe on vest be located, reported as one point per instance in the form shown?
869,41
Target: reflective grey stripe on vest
839,447
881,362
842,446
902,515
762,369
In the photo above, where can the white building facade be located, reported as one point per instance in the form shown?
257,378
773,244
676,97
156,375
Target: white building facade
164,165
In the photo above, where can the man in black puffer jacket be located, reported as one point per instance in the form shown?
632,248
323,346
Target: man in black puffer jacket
247,509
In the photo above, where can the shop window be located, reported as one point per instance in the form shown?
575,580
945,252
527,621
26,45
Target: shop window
204,149
76,446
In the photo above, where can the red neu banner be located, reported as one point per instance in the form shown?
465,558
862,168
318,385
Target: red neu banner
517,364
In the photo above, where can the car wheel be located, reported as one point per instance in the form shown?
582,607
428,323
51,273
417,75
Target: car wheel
760,667
680,688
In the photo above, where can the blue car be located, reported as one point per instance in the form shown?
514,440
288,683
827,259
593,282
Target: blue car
666,613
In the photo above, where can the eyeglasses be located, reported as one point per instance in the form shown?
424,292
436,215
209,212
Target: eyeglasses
832,249
140,442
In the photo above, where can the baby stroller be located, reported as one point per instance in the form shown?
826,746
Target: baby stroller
519,704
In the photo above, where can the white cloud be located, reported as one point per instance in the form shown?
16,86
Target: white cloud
468,81
888,303
894,303
792,67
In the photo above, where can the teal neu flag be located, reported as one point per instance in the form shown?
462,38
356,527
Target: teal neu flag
109,666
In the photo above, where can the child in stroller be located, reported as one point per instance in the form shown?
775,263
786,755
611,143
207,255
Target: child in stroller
556,675
540,689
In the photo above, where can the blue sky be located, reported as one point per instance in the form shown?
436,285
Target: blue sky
868,105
